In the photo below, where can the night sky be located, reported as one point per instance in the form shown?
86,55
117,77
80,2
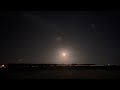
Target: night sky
30,36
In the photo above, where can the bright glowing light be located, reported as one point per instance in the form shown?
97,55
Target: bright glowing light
64,54
3,66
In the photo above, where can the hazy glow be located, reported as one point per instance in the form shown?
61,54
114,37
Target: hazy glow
64,54
3,65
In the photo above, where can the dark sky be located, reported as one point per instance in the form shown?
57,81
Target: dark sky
30,36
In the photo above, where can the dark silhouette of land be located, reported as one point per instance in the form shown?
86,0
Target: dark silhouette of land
59,71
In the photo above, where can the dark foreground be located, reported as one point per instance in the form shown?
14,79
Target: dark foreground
61,72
